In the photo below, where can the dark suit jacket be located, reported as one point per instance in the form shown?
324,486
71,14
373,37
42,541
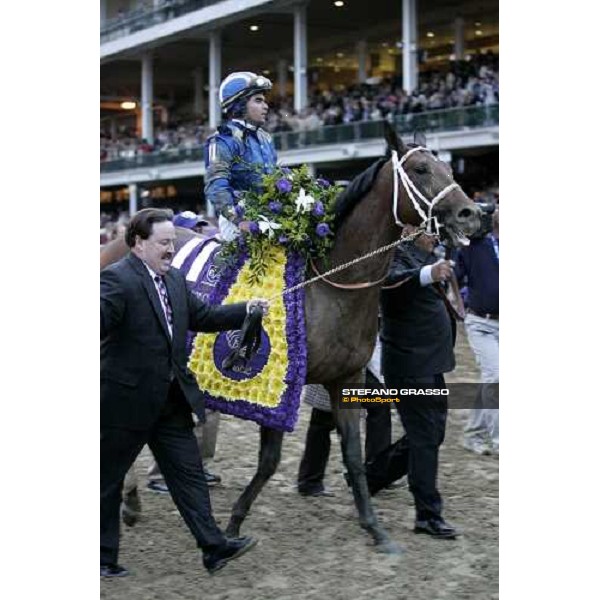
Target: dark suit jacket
416,331
138,358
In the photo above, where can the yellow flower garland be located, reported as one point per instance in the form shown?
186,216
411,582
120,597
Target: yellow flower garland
267,387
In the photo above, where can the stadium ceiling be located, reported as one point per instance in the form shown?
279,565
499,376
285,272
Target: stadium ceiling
332,37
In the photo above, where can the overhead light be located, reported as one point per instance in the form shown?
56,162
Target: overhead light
128,105
430,34
384,44
319,60
253,27
338,3
479,32
398,44
266,72
340,55
478,24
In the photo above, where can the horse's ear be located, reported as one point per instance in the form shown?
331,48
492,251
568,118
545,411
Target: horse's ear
420,139
392,140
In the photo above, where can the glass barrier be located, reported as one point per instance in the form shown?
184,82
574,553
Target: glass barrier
139,19
453,119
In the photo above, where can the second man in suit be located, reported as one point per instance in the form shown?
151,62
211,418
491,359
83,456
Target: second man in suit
417,349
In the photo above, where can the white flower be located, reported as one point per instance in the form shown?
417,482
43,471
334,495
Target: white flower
267,226
304,202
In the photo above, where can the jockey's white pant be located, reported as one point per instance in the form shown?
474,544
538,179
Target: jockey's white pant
229,231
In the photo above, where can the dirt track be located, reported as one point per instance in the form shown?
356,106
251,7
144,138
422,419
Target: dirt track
314,548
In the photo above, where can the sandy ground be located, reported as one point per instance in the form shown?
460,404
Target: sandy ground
314,548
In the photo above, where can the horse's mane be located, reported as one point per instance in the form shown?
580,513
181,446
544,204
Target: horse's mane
359,187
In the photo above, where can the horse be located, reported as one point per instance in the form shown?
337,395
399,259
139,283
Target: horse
410,187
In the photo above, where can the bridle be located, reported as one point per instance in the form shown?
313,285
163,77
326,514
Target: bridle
414,194
417,199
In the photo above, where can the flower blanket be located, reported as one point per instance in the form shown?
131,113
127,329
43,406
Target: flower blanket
267,390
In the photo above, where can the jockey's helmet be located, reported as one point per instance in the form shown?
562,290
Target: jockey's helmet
240,86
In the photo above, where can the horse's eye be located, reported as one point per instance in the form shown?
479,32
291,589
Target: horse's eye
421,169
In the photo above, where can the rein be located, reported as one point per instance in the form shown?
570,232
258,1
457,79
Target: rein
425,227
351,286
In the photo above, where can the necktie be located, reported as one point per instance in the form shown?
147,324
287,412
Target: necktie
164,296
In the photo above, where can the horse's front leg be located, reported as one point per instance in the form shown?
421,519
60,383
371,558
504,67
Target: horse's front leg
348,423
268,460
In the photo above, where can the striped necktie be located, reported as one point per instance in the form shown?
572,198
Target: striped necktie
164,296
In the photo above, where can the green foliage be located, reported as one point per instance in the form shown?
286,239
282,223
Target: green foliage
290,209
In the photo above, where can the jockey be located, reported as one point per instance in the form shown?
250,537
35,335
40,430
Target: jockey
240,152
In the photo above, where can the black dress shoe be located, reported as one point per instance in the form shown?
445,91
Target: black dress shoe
113,571
235,547
211,478
436,528
158,486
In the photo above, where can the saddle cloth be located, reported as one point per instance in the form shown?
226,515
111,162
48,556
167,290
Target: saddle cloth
267,390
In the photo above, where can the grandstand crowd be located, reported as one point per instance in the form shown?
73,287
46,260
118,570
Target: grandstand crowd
473,82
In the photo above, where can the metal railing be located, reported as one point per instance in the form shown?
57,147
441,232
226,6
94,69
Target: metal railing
452,119
143,18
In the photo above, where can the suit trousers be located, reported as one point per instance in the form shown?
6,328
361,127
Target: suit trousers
415,454
175,448
318,441
316,452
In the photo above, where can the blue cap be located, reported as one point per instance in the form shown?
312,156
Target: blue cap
187,218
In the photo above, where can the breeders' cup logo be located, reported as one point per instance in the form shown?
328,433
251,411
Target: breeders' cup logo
212,276
227,342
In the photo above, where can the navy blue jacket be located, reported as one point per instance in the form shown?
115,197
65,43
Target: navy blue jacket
477,266
416,332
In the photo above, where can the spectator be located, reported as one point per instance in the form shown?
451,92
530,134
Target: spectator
478,265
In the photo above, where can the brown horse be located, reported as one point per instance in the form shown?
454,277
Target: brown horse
341,320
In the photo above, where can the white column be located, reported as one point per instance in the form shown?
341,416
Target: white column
214,77
282,70
300,58
361,51
199,91
103,12
409,45
133,199
459,38
311,169
147,98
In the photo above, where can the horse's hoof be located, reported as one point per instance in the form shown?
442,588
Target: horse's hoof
130,518
390,547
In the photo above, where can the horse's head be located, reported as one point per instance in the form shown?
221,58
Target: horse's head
425,192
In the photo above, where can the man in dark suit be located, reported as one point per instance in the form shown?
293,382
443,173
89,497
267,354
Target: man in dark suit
417,349
147,392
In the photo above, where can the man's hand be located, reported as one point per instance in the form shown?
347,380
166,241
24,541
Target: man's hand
442,270
258,302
